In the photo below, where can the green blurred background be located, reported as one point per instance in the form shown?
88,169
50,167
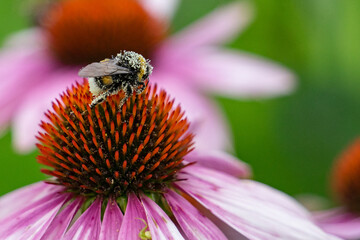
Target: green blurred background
290,141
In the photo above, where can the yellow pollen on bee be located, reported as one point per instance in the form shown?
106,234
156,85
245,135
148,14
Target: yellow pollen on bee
107,80
142,67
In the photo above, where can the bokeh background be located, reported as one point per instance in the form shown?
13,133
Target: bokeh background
291,141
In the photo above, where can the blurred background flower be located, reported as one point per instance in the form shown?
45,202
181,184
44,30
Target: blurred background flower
289,141
73,33
344,220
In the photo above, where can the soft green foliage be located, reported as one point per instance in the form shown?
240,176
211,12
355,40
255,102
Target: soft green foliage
289,141
16,170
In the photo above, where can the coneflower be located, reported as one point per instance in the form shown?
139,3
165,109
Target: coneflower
126,173
344,221
188,64
104,26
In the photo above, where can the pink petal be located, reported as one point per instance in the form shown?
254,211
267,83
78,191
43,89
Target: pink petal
59,225
32,220
340,223
207,121
193,223
251,208
160,225
218,27
22,197
30,38
32,108
18,84
221,162
162,9
88,225
111,224
237,74
132,224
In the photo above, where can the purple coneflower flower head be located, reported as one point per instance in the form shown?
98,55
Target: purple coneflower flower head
345,220
126,173
74,33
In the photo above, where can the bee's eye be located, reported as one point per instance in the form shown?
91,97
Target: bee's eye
147,73
107,80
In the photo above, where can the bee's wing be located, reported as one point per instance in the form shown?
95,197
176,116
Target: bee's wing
98,69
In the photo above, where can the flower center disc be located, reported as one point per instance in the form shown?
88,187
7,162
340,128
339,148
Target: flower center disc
83,31
111,151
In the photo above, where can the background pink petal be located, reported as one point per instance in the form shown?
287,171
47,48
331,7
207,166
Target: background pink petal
110,227
162,9
221,162
32,220
32,109
207,121
194,224
340,223
237,74
132,225
19,82
88,225
251,208
25,196
218,27
31,38
59,225
160,225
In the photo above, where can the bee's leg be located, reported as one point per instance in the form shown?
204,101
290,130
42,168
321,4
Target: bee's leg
142,87
128,90
99,99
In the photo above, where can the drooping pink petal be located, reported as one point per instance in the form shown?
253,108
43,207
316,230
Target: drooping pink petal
88,225
251,208
220,161
207,122
132,223
218,27
16,200
31,111
160,225
161,9
110,227
35,65
237,74
31,220
59,225
339,223
30,38
194,224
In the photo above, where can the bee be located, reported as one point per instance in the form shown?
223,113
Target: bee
127,71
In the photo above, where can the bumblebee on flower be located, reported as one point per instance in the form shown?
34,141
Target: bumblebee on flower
188,63
127,71
132,162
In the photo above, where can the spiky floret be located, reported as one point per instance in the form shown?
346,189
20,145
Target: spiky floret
83,31
110,151
346,177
